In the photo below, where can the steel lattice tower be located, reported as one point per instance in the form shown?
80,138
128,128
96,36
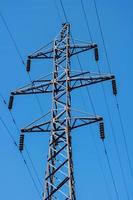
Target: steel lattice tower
59,179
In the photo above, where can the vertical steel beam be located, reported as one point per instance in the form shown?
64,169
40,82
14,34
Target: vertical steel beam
59,163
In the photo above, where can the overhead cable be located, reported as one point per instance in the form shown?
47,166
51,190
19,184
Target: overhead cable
18,52
16,126
63,9
15,143
111,172
117,103
105,98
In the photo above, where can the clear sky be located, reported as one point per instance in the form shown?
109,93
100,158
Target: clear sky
34,23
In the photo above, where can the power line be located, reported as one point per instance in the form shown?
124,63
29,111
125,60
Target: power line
15,143
8,131
124,136
55,3
93,107
106,103
21,58
111,172
17,128
94,111
102,36
117,103
12,38
33,166
115,142
64,12
28,169
4,101
19,53
110,169
100,165
86,20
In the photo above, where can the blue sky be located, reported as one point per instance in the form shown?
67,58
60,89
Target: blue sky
34,24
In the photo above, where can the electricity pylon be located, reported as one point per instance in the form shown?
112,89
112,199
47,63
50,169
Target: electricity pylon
59,179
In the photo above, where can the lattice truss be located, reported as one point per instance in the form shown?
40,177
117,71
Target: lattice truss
61,120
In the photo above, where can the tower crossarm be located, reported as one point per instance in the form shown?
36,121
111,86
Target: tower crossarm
42,55
87,78
74,49
77,81
61,56
83,121
43,86
60,124
41,124
43,127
